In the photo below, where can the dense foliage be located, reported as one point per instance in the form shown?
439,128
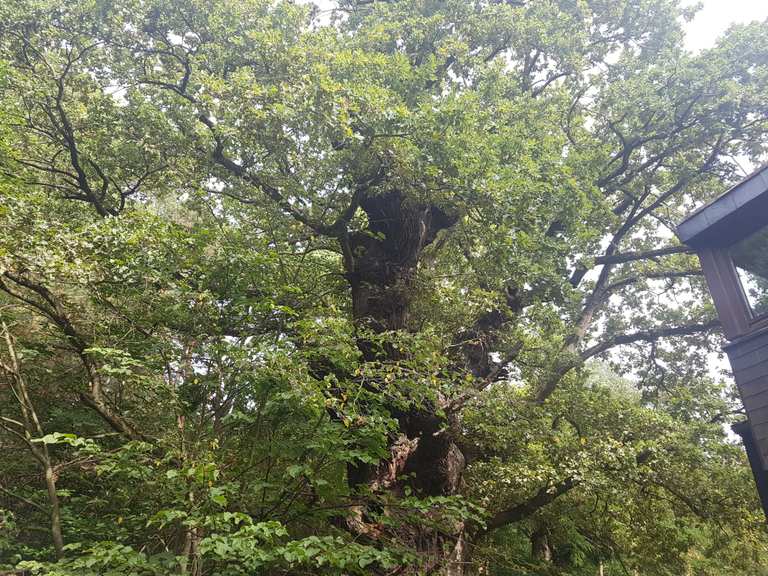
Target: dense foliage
382,287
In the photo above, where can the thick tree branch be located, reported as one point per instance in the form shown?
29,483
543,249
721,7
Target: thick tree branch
572,358
647,255
521,511
655,275
649,336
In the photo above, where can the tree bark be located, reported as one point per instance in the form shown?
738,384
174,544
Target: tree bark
381,266
381,261
540,548
457,560
53,498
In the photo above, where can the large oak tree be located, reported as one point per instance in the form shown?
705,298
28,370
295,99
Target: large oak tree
294,289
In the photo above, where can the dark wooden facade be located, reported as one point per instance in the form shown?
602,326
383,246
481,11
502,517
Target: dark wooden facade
755,462
712,231
749,362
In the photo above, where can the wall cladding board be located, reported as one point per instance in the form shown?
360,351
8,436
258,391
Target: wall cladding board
749,361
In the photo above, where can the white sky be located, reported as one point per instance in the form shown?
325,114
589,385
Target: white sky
716,15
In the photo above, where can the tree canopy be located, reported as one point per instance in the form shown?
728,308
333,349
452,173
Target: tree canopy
376,287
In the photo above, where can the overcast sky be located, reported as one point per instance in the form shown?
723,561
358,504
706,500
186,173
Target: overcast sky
717,15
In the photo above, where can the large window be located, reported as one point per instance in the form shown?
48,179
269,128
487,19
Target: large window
750,256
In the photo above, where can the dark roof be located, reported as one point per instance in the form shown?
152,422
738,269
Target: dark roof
737,213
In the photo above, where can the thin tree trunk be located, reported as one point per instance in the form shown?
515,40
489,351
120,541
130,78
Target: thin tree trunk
457,561
540,549
28,430
56,533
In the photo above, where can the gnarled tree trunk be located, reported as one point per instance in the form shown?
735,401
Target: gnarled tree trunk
381,266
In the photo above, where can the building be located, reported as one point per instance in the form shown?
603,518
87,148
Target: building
730,236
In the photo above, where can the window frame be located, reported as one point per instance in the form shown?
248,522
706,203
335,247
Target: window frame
736,314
